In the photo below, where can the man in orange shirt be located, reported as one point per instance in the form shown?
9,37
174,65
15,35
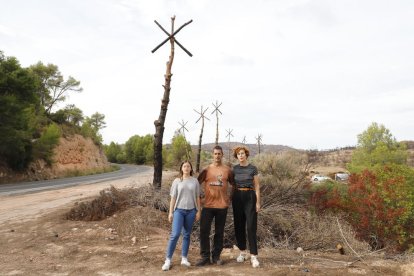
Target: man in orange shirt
215,181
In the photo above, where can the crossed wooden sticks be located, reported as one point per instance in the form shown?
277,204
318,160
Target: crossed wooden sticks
171,36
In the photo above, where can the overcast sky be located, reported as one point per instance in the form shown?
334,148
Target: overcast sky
303,73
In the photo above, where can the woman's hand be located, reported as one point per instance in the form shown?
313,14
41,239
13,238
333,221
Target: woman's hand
257,207
170,217
198,215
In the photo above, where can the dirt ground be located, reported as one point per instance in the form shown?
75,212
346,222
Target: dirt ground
36,239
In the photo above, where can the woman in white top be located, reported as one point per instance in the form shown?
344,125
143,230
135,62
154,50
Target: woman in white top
184,210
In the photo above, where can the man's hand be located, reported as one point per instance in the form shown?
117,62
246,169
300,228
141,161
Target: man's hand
170,217
257,207
198,215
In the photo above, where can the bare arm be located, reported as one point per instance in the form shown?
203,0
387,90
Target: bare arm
233,185
257,189
171,211
198,215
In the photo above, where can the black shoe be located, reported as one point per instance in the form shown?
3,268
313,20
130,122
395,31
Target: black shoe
218,261
203,262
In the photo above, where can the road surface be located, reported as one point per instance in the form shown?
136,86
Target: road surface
36,186
28,201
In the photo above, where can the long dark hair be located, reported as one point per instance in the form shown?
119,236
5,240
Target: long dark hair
181,169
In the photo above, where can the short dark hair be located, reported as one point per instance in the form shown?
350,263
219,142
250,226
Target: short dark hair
217,147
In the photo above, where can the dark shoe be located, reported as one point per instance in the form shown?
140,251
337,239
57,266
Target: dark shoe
203,262
218,261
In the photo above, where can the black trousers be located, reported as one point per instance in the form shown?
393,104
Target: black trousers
245,216
207,216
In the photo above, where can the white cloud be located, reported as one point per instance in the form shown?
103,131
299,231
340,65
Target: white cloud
305,73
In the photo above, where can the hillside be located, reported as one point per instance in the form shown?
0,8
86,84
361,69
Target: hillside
74,154
254,149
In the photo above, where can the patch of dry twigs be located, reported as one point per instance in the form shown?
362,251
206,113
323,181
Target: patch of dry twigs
283,222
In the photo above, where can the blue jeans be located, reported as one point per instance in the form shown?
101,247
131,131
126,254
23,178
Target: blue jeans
182,220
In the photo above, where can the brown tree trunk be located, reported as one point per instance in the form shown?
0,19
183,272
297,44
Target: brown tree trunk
159,124
199,145
217,130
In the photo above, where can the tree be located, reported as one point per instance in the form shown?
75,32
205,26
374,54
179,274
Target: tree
92,125
159,123
178,151
139,149
97,121
377,147
112,152
18,105
69,115
74,115
52,86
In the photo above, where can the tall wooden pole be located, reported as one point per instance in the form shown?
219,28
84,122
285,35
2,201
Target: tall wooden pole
259,140
217,129
159,124
202,116
217,110
229,134
182,130
199,146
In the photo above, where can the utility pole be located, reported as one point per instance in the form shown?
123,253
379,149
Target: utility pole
202,116
159,123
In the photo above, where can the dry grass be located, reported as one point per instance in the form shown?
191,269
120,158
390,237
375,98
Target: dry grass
114,200
283,223
140,222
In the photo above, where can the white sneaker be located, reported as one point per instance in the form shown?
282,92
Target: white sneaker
185,262
241,258
255,261
167,265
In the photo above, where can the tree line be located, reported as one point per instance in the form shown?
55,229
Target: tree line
31,122
140,150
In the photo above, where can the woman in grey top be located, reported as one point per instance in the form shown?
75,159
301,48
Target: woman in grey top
184,210
246,204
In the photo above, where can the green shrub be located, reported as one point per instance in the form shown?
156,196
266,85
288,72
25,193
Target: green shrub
379,204
327,195
43,147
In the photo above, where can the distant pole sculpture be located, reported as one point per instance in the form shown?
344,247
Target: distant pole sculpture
159,123
202,116
244,140
229,135
182,130
259,141
217,111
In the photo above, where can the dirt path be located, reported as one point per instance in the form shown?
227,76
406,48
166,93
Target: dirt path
31,206
35,239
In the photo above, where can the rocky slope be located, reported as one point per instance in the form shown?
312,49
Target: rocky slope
73,154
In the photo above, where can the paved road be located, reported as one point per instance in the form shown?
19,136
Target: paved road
36,186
